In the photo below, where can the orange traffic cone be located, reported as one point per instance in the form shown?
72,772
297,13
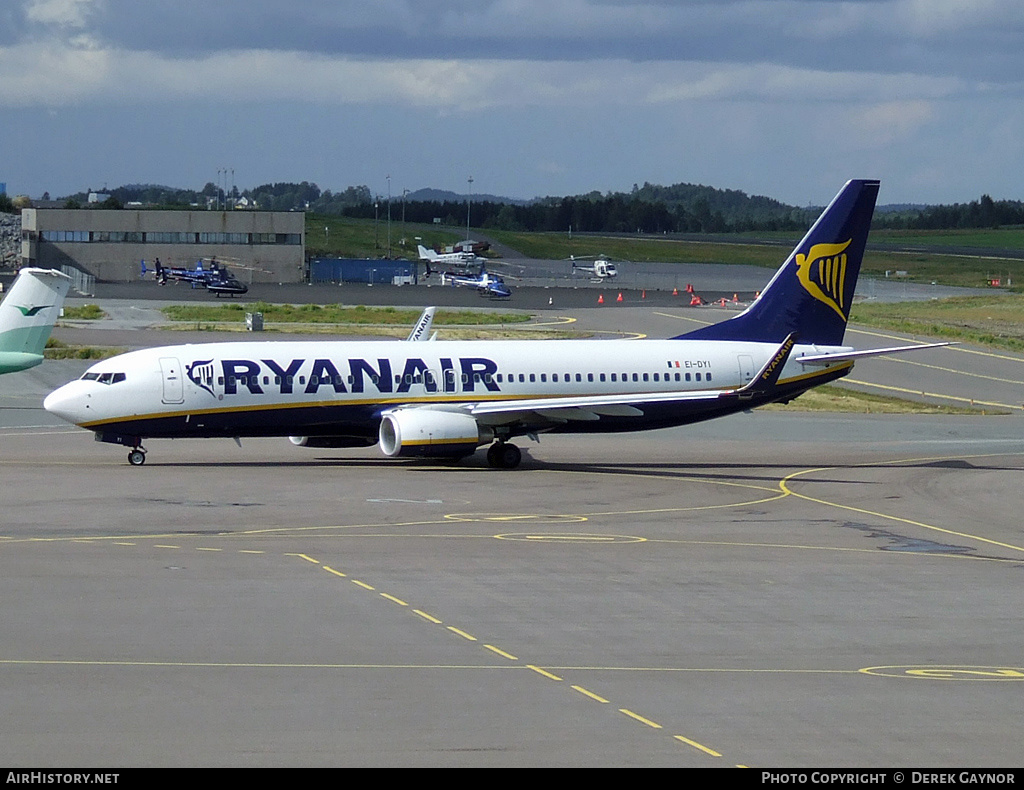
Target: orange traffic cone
675,292
735,297
694,300
619,299
600,299
643,294
689,288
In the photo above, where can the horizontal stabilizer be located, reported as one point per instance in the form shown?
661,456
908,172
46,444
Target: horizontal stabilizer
845,356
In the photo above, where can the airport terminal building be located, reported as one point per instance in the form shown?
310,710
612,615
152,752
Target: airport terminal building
110,244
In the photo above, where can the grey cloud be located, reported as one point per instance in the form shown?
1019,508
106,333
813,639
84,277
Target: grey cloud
867,35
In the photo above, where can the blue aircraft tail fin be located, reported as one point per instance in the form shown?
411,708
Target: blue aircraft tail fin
812,292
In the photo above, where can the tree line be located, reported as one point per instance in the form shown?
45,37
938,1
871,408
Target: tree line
651,208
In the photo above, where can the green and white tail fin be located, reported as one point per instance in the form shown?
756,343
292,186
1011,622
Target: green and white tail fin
27,316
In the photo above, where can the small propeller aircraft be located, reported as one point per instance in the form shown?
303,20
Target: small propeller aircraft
600,269
463,258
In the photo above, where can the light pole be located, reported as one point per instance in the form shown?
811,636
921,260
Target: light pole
469,200
404,193
389,216
376,243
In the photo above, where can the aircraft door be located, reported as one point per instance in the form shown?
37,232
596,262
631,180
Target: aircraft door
746,363
431,379
174,389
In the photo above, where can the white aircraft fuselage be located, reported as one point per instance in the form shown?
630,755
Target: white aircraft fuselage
342,389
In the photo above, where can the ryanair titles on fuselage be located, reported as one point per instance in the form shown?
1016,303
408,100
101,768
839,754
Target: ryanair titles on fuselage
309,376
462,374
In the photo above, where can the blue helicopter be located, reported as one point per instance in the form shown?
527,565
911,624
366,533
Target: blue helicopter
216,279
485,283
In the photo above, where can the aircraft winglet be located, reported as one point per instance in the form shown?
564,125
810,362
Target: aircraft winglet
422,329
768,377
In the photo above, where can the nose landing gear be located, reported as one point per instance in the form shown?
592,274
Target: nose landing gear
137,456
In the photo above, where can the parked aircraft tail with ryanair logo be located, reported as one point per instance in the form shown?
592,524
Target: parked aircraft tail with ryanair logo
811,294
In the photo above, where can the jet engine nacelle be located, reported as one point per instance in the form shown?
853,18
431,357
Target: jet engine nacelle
330,441
430,433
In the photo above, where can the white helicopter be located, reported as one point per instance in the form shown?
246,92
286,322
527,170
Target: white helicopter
600,269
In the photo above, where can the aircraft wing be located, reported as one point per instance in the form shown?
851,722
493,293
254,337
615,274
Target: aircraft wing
585,409
593,407
844,356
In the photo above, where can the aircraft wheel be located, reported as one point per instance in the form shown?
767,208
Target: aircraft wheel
502,455
136,458
510,456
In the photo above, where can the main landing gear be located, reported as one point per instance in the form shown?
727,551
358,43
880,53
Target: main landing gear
502,455
137,456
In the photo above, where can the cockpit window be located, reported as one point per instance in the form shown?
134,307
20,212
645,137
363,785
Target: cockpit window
104,378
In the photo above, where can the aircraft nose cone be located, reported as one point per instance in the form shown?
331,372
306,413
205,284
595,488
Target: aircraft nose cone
67,403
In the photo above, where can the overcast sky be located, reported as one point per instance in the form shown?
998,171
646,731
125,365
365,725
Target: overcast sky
784,98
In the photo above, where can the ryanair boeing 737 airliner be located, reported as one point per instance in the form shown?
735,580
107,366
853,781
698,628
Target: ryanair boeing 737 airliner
447,398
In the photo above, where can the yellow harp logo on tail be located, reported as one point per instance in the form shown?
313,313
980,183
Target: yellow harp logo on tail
822,273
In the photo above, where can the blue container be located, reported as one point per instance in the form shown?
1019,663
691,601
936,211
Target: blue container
361,270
